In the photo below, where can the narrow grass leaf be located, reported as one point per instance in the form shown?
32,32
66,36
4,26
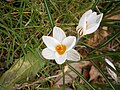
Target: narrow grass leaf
74,70
108,40
49,14
103,74
95,4
94,56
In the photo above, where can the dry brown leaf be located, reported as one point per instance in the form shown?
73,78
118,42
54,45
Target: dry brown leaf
84,64
77,66
85,73
94,74
98,37
115,17
74,75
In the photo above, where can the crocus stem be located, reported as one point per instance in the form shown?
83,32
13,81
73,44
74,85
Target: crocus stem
63,76
77,40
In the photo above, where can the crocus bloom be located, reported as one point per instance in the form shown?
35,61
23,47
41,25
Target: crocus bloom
59,47
89,22
112,73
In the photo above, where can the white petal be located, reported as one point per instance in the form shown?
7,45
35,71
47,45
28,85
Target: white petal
110,63
92,15
69,42
112,73
94,23
73,55
99,18
50,42
82,22
92,28
92,18
58,34
87,13
48,54
60,59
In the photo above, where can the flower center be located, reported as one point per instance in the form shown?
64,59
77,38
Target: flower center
60,49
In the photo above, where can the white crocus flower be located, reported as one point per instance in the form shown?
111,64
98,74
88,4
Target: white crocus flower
89,22
59,47
112,73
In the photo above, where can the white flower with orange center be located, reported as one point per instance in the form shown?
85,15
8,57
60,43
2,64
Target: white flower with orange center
89,22
112,73
59,47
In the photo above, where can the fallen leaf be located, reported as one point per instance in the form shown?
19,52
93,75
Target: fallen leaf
85,73
98,37
74,75
94,73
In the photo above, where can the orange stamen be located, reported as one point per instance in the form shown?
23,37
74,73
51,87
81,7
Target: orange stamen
60,49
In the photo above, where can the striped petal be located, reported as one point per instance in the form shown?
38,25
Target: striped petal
48,54
73,55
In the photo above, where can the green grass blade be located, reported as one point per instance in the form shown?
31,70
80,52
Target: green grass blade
112,26
94,56
94,5
111,0
81,77
111,20
105,42
111,10
49,14
103,74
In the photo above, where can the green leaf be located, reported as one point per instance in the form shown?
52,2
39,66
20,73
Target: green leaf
25,67
49,14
